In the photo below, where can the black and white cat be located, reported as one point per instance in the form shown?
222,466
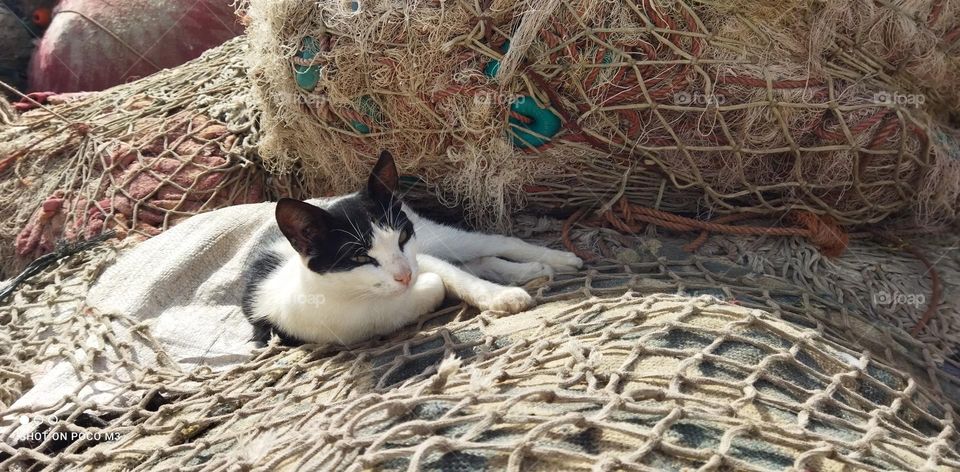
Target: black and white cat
364,264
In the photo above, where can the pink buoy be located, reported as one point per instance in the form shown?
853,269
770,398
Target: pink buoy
94,44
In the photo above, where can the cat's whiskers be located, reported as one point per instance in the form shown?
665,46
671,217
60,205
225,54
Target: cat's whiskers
357,239
391,216
357,233
354,243
348,233
358,293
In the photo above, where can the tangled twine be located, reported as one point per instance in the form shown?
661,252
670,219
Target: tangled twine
439,85
822,231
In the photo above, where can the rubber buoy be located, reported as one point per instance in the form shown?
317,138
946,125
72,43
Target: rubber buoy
92,45
308,76
493,66
368,106
544,124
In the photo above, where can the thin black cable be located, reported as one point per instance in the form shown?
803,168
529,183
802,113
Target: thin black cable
41,263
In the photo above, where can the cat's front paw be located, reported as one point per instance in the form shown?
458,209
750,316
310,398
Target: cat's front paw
429,291
508,299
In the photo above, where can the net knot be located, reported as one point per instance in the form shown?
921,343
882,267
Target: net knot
823,231
447,368
609,463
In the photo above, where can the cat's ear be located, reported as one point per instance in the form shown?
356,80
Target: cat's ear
304,225
383,181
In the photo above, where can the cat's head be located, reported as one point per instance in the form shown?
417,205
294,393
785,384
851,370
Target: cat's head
364,240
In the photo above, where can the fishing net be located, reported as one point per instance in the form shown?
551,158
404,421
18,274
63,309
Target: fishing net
840,109
138,158
747,353
134,159
653,359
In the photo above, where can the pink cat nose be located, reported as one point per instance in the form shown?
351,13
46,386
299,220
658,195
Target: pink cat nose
403,278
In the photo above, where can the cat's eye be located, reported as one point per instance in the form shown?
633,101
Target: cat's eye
404,236
361,259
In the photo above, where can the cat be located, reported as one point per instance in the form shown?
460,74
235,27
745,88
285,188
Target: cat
349,268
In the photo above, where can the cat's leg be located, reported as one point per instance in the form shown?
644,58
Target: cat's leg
427,293
452,244
500,270
424,296
473,290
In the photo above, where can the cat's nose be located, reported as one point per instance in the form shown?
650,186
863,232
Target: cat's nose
403,277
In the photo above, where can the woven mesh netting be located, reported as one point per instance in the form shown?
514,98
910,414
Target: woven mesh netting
140,157
884,283
135,159
841,108
634,365
754,353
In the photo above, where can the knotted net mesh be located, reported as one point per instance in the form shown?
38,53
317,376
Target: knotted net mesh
645,361
839,108
752,354
135,159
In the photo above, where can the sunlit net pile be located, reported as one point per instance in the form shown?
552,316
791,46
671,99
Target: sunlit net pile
841,108
632,363
784,378
135,159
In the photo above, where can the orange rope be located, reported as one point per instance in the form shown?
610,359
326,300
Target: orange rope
565,235
521,118
822,231
694,245
935,11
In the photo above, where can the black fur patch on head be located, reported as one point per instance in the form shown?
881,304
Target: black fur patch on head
384,181
338,237
351,233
